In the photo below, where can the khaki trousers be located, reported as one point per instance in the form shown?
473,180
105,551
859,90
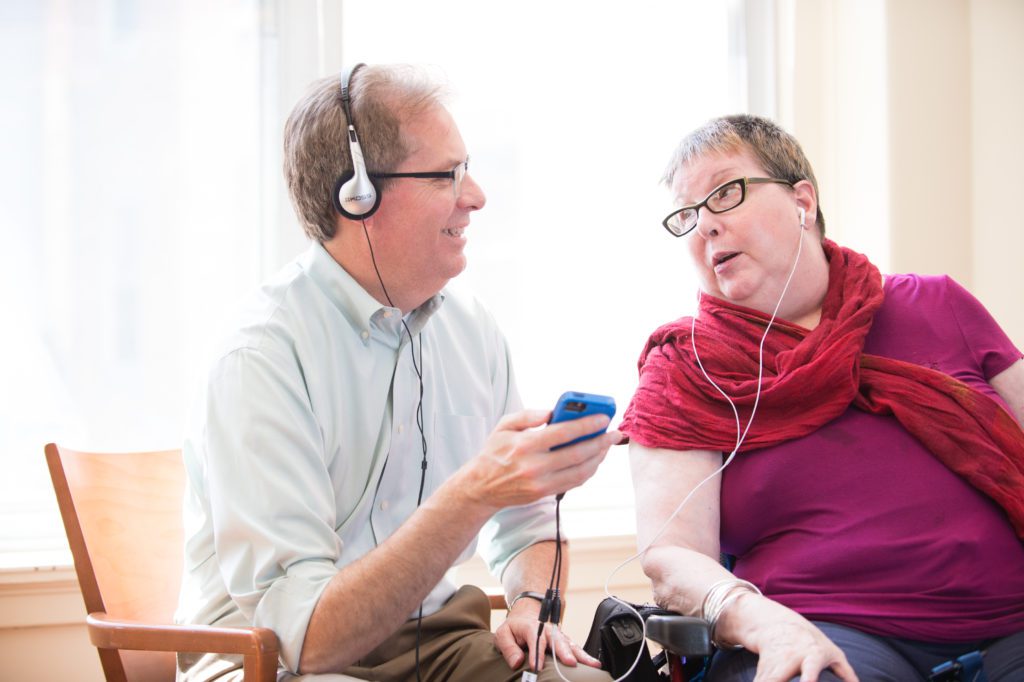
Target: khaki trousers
456,645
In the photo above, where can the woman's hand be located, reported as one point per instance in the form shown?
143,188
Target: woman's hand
787,644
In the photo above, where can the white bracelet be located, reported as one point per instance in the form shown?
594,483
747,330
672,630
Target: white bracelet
719,597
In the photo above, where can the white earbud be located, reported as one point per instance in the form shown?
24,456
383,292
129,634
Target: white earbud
803,216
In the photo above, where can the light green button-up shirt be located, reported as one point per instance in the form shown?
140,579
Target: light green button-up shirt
304,453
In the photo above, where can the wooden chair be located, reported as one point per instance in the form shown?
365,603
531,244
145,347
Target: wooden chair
122,515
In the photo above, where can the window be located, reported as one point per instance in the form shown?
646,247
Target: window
130,169
570,112
142,197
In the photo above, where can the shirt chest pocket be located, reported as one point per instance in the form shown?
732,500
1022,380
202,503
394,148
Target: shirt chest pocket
456,439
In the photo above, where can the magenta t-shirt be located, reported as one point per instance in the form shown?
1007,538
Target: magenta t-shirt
858,524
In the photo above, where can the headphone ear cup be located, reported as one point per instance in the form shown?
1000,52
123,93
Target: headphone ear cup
362,189
355,195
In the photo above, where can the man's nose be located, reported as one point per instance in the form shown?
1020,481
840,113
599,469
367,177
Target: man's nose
471,196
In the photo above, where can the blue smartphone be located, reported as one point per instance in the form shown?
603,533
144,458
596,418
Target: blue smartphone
573,405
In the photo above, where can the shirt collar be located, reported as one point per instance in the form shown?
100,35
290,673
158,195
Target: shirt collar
361,309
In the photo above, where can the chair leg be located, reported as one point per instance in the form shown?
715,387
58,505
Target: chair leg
113,668
259,667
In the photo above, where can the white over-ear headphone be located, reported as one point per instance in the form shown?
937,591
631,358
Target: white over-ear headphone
803,216
355,194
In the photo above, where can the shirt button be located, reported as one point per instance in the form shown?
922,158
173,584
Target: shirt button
365,335
387,313
384,505
401,428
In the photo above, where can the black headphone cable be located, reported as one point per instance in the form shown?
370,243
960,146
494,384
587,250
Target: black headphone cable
418,368
551,606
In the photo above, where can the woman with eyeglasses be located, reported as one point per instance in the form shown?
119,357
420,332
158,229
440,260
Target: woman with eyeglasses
869,427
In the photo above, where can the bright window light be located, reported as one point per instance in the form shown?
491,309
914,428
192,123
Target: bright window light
570,112
130,175
141,140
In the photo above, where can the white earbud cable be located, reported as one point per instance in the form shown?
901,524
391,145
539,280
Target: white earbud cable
740,437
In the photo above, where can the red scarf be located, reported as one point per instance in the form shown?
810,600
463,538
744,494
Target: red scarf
811,377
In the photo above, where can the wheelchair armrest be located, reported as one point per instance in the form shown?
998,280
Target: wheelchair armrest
680,635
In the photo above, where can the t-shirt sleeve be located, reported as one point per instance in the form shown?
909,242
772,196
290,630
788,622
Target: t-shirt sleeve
992,348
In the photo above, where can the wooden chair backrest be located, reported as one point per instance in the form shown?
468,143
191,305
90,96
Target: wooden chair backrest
122,513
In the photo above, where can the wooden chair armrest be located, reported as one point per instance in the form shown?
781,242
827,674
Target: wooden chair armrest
258,646
111,633
496,597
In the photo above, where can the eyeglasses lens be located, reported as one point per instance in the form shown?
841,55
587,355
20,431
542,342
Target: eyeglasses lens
722,199
727,197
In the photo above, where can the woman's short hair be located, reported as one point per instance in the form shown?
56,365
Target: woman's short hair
316,144
777,151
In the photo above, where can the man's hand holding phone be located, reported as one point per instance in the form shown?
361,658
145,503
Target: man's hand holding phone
575,405
521,463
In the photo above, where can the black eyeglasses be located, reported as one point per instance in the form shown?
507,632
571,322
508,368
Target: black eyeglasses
456,175
725,197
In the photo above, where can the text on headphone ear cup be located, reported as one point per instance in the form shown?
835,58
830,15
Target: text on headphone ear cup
362,203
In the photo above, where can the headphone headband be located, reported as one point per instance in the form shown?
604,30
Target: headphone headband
355,194
346,99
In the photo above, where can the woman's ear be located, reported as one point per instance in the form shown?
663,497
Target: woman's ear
806,203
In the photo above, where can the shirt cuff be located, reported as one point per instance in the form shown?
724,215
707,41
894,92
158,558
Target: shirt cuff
288,604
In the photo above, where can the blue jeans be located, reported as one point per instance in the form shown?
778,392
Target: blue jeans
887,659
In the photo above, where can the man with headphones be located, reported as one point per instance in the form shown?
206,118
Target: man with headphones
362,426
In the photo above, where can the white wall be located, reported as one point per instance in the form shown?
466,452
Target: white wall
910,112
997,148
42,628
929,120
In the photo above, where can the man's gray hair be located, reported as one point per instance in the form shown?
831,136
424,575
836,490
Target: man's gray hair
316,148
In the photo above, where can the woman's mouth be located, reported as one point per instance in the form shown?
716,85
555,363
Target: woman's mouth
722,258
